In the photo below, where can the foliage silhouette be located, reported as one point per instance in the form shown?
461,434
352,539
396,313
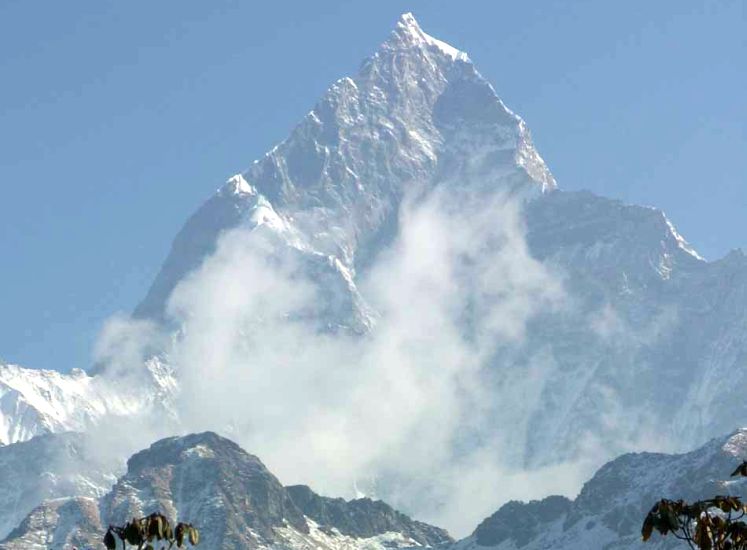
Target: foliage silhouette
710,524
151,533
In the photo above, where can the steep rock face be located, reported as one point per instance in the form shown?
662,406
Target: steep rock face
520,522
609,511
52,466
417,114
232,497
195,242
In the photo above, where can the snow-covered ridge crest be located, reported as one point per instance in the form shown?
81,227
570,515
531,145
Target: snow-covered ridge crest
237,185
409,31
681,242
736,445
34,402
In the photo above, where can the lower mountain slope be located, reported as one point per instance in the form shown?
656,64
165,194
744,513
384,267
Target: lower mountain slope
362,518
608,512
63,523
50,466
233,499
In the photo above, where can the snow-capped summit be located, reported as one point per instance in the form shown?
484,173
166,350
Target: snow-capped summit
408,33
417,115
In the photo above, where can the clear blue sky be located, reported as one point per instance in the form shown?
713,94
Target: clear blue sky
117,119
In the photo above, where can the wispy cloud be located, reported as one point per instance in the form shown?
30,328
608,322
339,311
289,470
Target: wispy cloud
405,410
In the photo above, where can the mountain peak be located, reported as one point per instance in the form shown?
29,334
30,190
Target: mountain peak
408,34
207,478
408,22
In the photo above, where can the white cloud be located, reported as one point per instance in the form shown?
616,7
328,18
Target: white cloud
124,343
401,403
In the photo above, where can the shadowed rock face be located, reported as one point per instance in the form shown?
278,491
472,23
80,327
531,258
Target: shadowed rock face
362,518
520,522
609,511
230,495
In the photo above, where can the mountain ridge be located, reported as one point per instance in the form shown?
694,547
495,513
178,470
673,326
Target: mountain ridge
236,502
606,515
608,512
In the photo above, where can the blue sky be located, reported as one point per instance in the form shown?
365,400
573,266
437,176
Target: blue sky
117,119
